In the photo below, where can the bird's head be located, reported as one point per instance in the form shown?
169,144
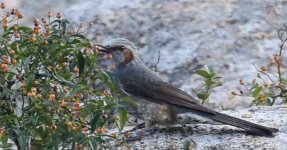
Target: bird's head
122,50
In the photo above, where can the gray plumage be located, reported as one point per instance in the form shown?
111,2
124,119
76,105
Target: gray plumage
136,79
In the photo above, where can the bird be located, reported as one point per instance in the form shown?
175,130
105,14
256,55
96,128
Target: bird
164,100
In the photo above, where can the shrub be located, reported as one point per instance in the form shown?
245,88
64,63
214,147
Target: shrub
49,87
270,83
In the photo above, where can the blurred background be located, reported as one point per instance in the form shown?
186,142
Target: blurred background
232,36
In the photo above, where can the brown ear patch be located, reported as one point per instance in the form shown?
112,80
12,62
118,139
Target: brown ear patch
129,56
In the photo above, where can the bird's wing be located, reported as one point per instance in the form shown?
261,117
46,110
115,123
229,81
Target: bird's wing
162,92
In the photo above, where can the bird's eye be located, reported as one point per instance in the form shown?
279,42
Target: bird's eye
121,48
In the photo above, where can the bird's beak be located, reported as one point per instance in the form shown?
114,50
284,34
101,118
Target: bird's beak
102,48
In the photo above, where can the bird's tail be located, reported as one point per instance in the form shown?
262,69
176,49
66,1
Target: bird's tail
247,126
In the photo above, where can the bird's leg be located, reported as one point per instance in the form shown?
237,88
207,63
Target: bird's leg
137,127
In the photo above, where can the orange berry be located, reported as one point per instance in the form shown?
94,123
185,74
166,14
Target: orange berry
64,104
23,84
85,129
12,52
47,27
76,104
17,35
69,124
263,69
37,31
109,57
4,57
2,5
44,20
76,108
6,70
58,15
16,12
5,25
32,39
107,93
52,97
31,94
5,61
241,82
39,96
105,116
38,27
77,114
13,61
33,89
234,93
16,27
117,118
76,69
53,127
78,95
3,66
49,14
36,20
105,130
277,57
5,20
91,24
86,51
271,61
64,65
79,147
99,130
20,15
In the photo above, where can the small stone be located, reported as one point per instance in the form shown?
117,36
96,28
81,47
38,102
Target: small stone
246,115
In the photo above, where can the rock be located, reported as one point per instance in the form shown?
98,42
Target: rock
223,137
229,35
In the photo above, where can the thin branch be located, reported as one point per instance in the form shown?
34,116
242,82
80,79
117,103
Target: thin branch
158,59
283,40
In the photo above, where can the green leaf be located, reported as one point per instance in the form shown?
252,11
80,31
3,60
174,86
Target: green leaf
131,101
256,92
203,73
25,29
64,23
189,144
4,142
216,84
203,96
94,144
210,71
186,145
81,62
95,121
123,117
55,21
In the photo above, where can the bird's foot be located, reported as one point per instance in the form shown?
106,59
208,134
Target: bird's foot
137,134
139,126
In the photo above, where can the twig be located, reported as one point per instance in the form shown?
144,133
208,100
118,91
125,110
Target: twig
158,59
